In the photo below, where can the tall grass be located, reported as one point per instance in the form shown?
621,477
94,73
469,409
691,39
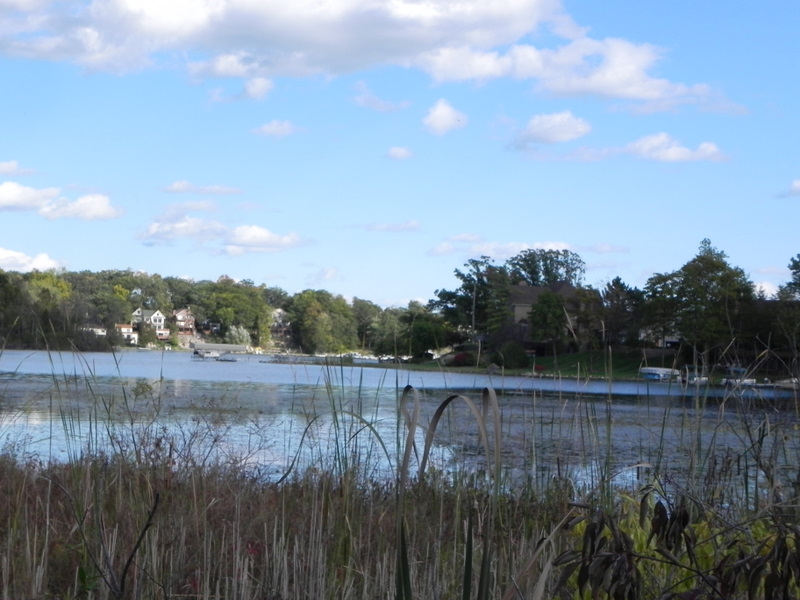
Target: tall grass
363,511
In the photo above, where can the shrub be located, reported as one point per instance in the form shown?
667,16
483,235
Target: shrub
512,355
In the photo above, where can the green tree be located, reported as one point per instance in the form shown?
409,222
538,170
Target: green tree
468,307
365,313
236,334
709,298
621,315
540,267
547,319
322,323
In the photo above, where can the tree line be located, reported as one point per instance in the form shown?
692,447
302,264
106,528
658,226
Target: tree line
707,305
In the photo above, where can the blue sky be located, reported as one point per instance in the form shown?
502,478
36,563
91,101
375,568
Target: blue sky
371,147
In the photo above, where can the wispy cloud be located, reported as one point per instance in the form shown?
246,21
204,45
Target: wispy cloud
794,189
399,153
277,128
395,227
12,167
663,147
184,187
367,99
324,275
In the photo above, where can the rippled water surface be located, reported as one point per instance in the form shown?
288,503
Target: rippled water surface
53,405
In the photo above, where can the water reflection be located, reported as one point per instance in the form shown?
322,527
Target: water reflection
272,417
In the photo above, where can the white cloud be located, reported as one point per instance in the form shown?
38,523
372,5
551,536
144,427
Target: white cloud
605,248
769,289
399,153
17,261
277,129
169,228
467,40
442,118
12,167
14,196
504,251
92,207
611,68
794,189
182,187
663,147
470,238
323,275
396,227
46,202
553,128
443,249
252,238
257,88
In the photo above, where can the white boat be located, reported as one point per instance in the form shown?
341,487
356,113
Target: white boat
788,384
690,376
204,354
658,373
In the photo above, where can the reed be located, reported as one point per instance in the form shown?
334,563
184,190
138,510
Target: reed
366,509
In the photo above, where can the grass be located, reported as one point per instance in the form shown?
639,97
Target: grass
144,512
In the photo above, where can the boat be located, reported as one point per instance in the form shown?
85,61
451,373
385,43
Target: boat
788,384
205,354
691,376
658,373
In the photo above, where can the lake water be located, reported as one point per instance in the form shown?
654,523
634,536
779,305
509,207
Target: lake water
270,415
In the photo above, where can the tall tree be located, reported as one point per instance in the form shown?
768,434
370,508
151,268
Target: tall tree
365,313
708,297
622,306
547,319
322,322
468,307
540,267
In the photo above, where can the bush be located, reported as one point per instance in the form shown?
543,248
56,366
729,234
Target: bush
512,355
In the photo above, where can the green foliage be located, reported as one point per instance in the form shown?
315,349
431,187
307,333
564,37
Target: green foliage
675,548
481,304
322,322
547,319
512,355
236,334
622,312
703,301
540,267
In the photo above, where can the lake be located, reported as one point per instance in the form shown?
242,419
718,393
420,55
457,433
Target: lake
271,415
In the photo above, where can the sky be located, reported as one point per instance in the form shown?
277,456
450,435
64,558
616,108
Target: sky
371,147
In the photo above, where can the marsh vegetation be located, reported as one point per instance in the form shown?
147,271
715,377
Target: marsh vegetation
450,495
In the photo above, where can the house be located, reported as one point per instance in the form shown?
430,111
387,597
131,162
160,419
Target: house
184,320
524,297
97,330
126,332
581,325
153,318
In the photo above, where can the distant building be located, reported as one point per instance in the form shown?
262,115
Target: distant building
184,320
126,332
153,318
